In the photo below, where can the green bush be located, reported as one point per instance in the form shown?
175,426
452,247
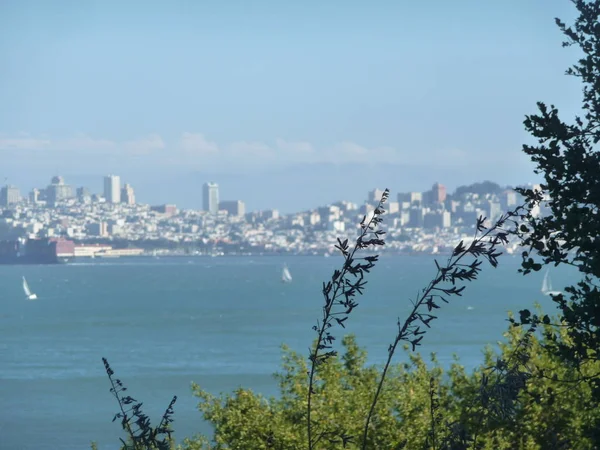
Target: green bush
549,411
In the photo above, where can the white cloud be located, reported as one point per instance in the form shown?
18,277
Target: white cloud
144,146
196,151
84,144
251,152
23,143
345,152
197,144
304,148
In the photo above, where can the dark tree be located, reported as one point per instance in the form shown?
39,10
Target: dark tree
567,156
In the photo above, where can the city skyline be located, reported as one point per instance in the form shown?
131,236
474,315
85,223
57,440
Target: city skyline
429,221
115,192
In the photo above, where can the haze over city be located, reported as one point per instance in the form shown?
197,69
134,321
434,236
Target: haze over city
267,97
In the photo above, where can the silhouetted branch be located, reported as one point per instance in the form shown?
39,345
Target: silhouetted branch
143,436
340,293
443,286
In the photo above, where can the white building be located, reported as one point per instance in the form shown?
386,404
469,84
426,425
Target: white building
112,189
210,197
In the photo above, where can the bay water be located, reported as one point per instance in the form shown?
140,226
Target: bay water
220,322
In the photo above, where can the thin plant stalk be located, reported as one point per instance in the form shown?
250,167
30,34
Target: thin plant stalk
340,285
452,272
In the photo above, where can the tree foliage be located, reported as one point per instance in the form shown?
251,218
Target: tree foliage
546,413
566,154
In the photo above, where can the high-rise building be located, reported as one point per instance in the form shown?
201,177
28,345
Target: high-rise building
127,195
210,197
436,195
112,189
83,195
9,195
34,196
439,193
58,191
233,207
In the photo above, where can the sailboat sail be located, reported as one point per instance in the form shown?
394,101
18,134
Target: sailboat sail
26,288
286,276
547,286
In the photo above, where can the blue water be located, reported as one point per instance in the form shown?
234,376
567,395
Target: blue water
217,321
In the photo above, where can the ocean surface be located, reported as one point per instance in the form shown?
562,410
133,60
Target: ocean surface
220,322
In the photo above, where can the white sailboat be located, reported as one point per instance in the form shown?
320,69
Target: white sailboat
286,276
28,294
547,285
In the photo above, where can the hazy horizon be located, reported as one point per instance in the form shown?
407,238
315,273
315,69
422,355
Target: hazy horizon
349,182
260,97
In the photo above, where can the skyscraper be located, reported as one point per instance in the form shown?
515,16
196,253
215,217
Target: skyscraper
127,195
112,188
9,195
210,197
58,191
437,194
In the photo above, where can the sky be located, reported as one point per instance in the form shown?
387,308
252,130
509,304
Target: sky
285,104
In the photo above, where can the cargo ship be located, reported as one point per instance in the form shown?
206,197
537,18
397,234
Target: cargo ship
36,251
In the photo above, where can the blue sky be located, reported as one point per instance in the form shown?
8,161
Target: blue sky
255,88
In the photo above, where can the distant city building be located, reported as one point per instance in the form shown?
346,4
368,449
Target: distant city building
9,195
508,199
210,197
83,195
495,210
164,209
392,207
375,196
437,194
127,195
58,191
99,229
412,198
34,196
112,188
437,219
314,218
346,206
233,207
329,213
270,214
366,208
416,217
114,227
336,225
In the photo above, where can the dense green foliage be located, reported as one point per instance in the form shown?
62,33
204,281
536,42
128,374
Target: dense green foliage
547,413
